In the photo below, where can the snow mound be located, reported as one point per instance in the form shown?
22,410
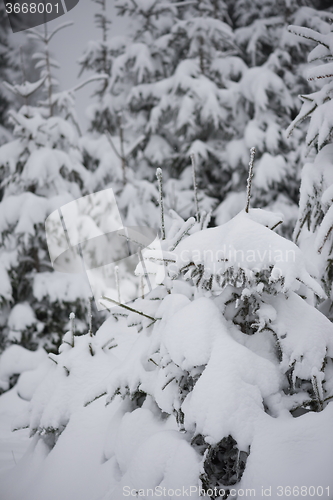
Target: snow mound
244,243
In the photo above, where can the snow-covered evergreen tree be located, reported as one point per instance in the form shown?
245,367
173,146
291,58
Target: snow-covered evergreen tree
268,102
98,58
221,77
196,386
113,146
219,355
167,77
314,226
42,169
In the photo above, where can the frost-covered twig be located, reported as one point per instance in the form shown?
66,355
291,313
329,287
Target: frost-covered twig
195,187
249,179
309,34
159,176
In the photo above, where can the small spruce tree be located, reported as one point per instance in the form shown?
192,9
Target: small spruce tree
41,169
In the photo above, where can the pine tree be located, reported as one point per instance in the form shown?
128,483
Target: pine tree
114,145
268,102
224,81
218,353
42,169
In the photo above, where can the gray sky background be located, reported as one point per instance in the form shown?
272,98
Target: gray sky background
68,46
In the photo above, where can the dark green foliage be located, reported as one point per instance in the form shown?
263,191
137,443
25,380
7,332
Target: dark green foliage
224,463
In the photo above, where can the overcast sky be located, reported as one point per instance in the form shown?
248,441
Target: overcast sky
68,46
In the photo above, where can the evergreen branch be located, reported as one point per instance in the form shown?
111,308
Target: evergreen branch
52,358
89,80
165,260
90,316
309,34
327,235
129,308
316,391
32,33
128,238
17,89
135,144
276,225
61,27
167,383
182,233
95,398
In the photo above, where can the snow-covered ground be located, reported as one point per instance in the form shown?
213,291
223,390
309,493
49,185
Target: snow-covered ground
12,444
